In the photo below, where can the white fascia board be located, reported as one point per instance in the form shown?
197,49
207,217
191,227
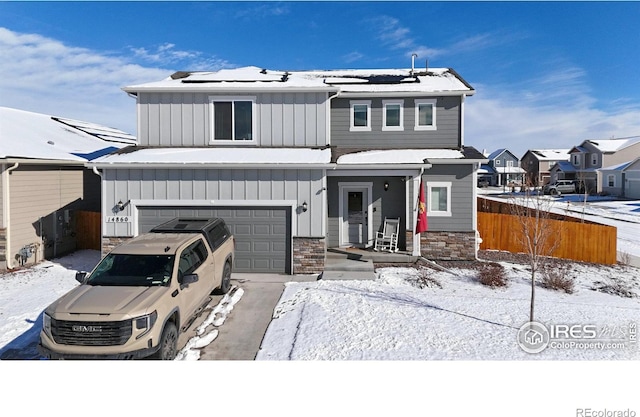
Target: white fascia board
376,172
207,165
456,161
230,90
27,161
395,94
377,167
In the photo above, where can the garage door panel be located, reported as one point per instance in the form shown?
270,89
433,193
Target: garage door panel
263,235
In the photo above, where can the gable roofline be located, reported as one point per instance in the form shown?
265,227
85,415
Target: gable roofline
435,81
498,152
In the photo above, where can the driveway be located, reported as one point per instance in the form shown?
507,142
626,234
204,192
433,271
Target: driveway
240,336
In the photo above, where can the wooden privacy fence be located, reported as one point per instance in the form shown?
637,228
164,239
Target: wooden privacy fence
88,233
578,241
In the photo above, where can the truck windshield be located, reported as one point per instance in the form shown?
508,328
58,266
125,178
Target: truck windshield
133,270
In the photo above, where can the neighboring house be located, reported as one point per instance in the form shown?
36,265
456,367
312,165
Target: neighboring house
507,168
298,162
44,180
622,180
538,163
591,155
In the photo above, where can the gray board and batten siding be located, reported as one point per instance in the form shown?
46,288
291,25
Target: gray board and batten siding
281,191
184,119
446,135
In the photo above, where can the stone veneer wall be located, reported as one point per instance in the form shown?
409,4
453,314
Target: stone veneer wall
308,255
108,243
448,246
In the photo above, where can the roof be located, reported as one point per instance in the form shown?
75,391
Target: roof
618,167
613,145
36,136
509,170
224,157
564,166
550,154
498,152
272,157
433,80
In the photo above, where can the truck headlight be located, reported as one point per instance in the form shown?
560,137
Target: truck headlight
145,323
46,324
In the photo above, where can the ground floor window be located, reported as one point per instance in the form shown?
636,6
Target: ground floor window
438,199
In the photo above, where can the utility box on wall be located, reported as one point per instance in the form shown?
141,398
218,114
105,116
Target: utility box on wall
58,232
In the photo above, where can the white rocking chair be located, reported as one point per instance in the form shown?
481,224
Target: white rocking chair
387,240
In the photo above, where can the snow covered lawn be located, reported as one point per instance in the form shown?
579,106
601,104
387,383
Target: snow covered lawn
392,319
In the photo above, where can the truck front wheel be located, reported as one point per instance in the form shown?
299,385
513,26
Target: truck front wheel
168,343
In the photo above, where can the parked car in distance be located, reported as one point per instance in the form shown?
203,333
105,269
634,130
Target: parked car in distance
142,294
560,187
483,182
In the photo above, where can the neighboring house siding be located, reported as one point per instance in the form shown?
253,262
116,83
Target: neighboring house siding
627,154
446,134
184,119
43,193
210,185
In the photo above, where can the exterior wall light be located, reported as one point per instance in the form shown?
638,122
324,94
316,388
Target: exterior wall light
305,207
386,186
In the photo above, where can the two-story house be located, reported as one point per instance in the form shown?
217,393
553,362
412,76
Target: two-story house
299,161
586,159
506,167
538,163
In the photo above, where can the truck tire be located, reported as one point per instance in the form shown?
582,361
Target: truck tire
225,284
168,343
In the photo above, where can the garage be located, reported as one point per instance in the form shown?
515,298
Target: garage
262,234
633,188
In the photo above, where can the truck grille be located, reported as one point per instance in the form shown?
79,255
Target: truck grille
89,333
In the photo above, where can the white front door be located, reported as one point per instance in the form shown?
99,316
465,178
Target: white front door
355,202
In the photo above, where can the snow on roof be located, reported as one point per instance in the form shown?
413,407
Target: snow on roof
618,167
31,135
218,156
613,145
551,154
398,156
510,170
354,81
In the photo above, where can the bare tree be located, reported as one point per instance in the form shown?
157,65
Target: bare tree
537,238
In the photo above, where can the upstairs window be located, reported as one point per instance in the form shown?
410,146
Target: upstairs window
575,159
425,114
360,115
392,115
594,159
233,118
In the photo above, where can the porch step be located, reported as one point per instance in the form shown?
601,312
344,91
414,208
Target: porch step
347,267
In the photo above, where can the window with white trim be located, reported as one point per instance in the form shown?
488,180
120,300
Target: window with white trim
439,199
392,115
425,114
233,118
360,115
594,159
611,180
575,159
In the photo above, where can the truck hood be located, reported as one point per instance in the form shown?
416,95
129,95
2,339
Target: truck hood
88,299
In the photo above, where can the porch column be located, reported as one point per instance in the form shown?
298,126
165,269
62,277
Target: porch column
414,217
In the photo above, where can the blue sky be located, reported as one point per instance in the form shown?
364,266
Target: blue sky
547,74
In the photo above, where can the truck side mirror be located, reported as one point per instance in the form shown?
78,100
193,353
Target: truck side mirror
189,279
81,277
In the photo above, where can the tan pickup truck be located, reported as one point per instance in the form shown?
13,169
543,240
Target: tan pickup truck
141,295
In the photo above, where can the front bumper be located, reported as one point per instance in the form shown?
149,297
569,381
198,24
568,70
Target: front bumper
136,354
